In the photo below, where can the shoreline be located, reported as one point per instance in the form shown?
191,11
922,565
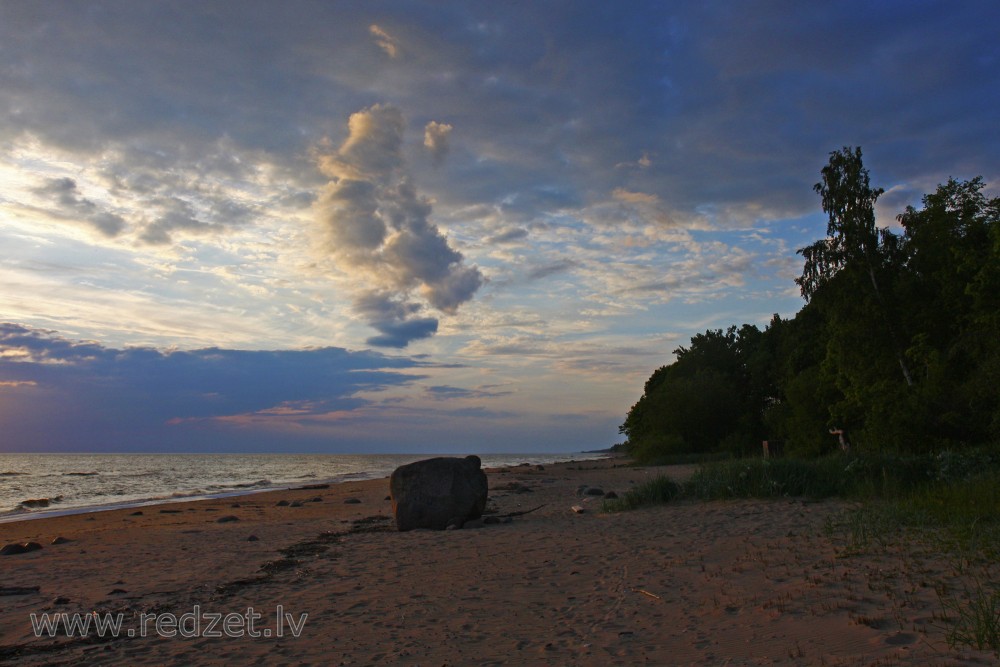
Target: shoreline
749,582
24,514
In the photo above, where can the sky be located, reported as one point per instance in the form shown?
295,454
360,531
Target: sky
442,227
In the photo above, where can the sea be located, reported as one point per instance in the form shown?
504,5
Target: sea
38,485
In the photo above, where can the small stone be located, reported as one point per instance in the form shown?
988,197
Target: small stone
12,550
235,505
138,513
611,495
317,499
31,546
296,503
594,491
227,519
282,503
253,538
578,509
118,591
352,501
60,540
62,599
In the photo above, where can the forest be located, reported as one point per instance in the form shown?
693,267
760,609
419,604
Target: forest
897,348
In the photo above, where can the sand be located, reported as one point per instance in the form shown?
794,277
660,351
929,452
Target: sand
722,583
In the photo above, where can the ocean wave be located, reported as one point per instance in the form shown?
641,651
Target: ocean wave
248,485
39,503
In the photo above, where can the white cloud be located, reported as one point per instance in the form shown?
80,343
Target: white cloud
384,40
436,140
380,228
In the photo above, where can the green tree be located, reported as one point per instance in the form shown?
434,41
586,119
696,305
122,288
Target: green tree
853,242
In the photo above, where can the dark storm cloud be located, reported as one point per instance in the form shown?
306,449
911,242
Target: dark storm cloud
64,391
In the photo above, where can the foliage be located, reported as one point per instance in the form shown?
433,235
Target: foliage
657,491
898,343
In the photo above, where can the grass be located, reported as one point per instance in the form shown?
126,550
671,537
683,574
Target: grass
973,617
654,492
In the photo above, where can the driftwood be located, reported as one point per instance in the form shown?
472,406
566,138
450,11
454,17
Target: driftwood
521,513
645,592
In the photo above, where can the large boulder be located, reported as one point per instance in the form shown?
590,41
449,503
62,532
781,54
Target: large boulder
437,493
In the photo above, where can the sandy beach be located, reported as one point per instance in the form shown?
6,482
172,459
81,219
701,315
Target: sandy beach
723,583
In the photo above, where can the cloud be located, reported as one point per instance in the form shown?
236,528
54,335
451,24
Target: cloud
379,228
450,393
624,195
436,138
384,40
559,266
396,320
509,235
87,395
63,192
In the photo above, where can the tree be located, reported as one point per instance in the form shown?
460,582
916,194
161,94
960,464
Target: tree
853,241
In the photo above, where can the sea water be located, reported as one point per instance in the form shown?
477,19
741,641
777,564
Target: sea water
33,485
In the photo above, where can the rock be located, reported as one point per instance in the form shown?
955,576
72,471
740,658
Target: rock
611,495
578,509
435,493
12,550
60,540
35,503
227,519
540,468
62,599
352,501
282,503
296,503
253,538
317,499
594,491
31,546
137,513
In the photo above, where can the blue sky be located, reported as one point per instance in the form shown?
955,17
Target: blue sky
440,227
